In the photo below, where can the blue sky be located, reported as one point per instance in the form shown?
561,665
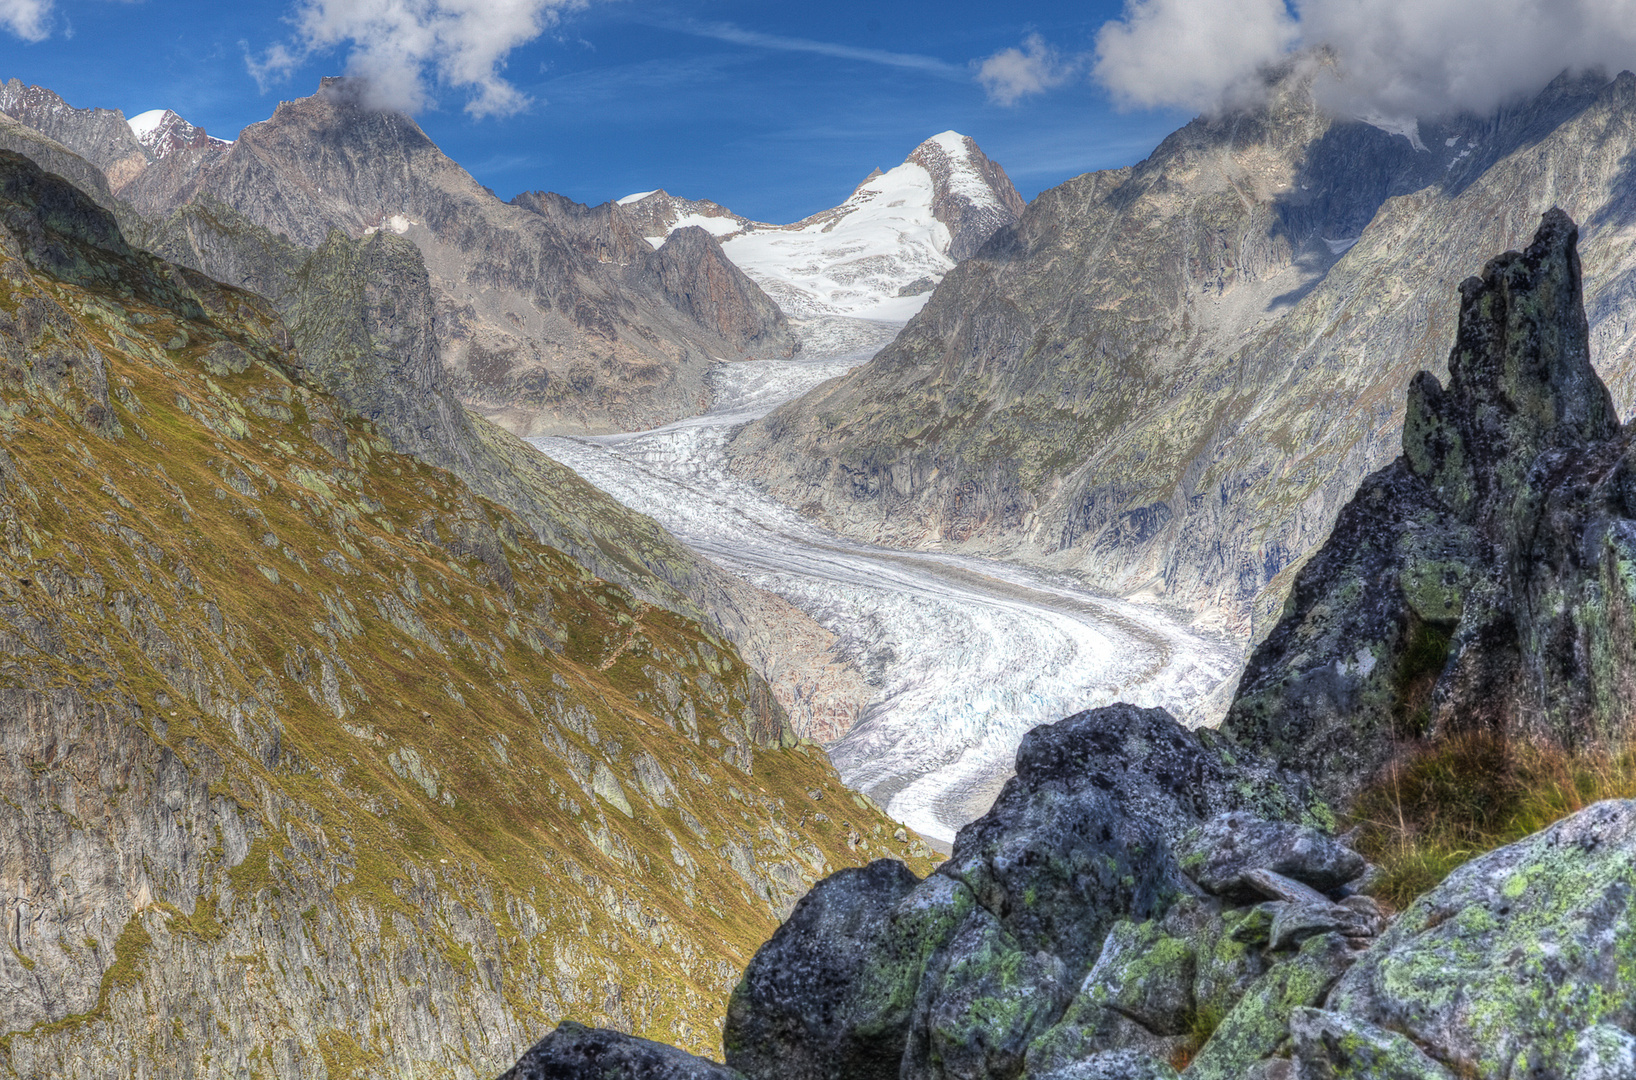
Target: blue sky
776,110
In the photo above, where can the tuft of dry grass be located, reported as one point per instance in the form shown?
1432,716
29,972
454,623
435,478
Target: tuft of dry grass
1444,803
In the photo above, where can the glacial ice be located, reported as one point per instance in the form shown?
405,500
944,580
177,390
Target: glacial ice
967,654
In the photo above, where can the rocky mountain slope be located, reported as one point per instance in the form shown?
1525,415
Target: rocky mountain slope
538,335
879,254
1169,378
363,313
1485,581
313,753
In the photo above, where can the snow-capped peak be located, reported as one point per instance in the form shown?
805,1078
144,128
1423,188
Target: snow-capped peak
880,253
163,132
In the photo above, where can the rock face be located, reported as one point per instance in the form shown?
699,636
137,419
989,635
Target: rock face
1519,964
576,1052
1170,378
879,254
538,336
1063,925
1483,580
313,751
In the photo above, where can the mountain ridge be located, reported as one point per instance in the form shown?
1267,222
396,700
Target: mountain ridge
858,258
1165,379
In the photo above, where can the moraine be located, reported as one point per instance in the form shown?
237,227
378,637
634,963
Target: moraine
965,655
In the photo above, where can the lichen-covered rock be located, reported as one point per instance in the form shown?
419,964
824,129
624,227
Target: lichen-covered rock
1259,1023
1114,1065
1138,997
1499,969
1484,580
791,1016
576,1052
1334,1047
1217,854
1605,1052
1080,836
1294,923
981,1005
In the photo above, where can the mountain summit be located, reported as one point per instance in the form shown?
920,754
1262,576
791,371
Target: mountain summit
877,255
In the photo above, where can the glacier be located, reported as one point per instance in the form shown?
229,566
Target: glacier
966,655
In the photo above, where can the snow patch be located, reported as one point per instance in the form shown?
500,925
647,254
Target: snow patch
1408,127
638,197
143,125
855,259
715,226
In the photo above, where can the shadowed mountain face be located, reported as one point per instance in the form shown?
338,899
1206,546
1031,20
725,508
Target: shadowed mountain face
1169,378
539,334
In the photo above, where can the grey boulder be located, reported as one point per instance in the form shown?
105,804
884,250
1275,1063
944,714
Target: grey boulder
1218,853
576,1052
1498,969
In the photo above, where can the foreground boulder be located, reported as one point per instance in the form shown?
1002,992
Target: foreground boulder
961,976
1521,960
1483,581
576,1052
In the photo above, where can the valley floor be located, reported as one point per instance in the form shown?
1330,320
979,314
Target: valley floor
966,655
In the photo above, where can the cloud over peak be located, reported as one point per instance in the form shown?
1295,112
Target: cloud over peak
1394,58
401,47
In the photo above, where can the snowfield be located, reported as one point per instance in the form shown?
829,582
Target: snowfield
876,256
967,655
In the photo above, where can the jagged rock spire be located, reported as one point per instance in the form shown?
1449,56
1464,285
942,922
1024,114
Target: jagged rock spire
1484,580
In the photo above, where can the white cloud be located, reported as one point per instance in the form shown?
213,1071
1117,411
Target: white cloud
1393,58
1012,74
28,19
398,47
1196,54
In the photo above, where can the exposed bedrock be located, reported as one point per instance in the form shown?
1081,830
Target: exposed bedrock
1486,580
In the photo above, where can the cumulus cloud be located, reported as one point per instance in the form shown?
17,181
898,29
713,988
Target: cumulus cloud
1393,58
399,47
28,19
1013,74
1192,53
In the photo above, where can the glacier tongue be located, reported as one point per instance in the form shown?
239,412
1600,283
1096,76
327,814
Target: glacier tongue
966,655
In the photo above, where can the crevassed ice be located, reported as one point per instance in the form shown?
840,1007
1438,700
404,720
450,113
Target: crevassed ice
967,655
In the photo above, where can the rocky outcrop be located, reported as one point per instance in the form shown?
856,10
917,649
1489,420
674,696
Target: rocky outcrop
1065,937
1169,379
973,973
1482,581
1518,965
314,752
696,276
576,1052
